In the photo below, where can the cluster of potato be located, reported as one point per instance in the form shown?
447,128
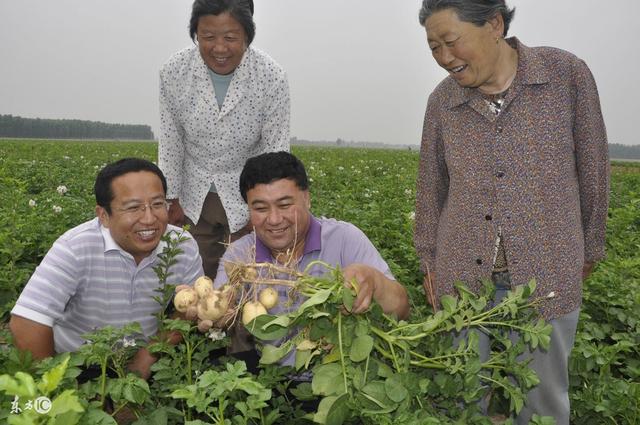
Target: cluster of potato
202,302
210,306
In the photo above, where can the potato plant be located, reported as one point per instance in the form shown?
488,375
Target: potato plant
373,369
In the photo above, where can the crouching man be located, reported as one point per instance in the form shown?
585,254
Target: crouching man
100,273
276,189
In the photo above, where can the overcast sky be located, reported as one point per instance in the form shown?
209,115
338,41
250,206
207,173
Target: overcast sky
358,70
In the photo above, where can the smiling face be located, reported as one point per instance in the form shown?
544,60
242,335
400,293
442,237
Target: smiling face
135,231
222,42
280,215
468,52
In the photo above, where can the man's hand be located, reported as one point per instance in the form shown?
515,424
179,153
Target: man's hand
365,287
372,284
176,214
141,363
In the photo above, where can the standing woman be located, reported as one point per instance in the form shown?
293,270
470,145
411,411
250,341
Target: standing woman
513,179
221,102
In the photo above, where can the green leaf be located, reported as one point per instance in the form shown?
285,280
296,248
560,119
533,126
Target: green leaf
97,417
303,391
357,377
361,348
376,392
531,286
448,303
135,390
22,386
302,357
318,314
332,356
542,420
272,354
260,328
394,388
320,328
459,323
362,328
157,417
67,418
347,299
323,409
282,320
182,326
52,377
327,379
65,402
181,393
338,411
431,323
317,298
384,371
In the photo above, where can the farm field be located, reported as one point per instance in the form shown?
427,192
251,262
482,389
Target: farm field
46,188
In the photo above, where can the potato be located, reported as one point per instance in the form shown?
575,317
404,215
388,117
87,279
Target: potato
203,286
212,307
251,310
185,299
268,298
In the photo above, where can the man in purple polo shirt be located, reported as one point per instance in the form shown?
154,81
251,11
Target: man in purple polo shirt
275,187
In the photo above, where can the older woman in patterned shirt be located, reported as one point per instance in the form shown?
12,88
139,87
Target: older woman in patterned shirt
513,179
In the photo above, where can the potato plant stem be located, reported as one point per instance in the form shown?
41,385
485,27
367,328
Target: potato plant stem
103,381
344,370
366,370
503,324
280,282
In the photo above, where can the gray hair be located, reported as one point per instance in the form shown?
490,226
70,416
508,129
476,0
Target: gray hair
477,12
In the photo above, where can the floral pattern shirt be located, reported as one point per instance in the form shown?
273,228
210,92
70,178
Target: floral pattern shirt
201,143
539,171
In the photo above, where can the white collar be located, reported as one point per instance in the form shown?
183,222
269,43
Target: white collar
111,245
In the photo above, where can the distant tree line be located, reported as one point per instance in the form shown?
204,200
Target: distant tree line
38,128
618,151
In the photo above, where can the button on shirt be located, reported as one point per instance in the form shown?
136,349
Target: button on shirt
328,240
201,143
86,281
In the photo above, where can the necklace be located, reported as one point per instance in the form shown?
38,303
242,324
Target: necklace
495,102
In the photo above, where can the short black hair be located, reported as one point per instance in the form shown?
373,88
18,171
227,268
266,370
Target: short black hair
241,10
477,12
272,166
102,187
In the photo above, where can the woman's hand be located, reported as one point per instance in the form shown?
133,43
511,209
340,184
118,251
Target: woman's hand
176,214
587,269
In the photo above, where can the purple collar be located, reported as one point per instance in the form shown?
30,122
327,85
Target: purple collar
311,243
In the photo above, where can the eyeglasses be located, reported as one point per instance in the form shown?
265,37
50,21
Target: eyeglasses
138,210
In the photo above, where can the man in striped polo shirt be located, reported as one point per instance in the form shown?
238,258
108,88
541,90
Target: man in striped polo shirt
100,273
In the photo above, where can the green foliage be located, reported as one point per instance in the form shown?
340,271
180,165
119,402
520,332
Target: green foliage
43,402
365,366
166,259
374,189
227,396
605,363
